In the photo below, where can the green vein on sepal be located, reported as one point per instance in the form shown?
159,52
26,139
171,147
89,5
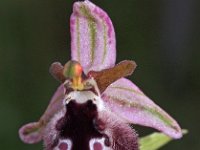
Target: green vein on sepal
92,27
78,37
155,140
154,112
105,42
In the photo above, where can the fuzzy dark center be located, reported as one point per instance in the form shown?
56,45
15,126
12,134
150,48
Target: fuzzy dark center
78,124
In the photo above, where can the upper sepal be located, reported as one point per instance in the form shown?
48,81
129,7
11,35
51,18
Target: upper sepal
93,42
127,101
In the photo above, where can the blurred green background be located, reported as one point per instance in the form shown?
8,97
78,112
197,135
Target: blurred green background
162,36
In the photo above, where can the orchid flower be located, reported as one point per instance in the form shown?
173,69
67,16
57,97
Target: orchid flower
95,104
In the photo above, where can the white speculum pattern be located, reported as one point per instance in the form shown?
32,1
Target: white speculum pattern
82,97
66,142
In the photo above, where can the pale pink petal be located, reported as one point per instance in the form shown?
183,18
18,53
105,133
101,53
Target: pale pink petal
127,101
55,105
92,37
33,132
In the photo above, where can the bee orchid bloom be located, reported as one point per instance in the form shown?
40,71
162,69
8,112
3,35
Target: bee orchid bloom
95,104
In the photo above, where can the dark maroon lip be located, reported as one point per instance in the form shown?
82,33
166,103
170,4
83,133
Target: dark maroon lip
78,124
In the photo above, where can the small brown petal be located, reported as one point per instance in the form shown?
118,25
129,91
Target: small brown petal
106,77
56,70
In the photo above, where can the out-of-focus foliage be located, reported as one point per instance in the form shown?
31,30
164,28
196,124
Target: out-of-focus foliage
155,141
